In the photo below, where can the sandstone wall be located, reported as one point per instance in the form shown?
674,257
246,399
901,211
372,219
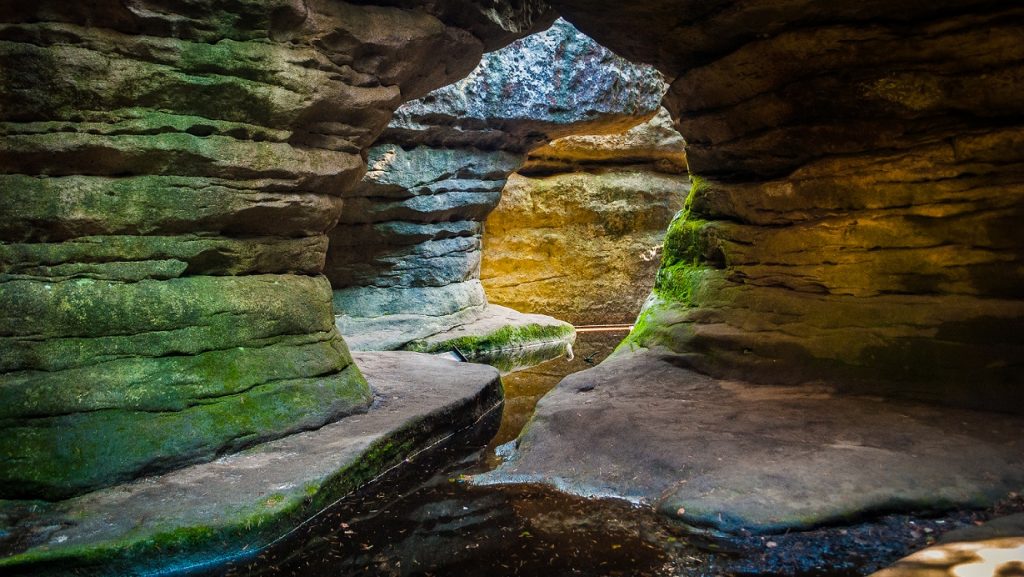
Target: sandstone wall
578,231
860,182
404,261
169,175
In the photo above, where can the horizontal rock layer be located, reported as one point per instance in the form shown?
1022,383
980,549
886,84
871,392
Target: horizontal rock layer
861,174
170,175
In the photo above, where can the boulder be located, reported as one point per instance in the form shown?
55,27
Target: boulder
736,458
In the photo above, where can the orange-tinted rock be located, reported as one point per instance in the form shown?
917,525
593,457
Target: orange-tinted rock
860,181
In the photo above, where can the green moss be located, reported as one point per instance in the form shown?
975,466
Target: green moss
507,337
698,188
680,282
61,456
685,242
686,266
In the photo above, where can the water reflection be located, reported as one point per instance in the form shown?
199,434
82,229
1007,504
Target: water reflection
525,387
447,528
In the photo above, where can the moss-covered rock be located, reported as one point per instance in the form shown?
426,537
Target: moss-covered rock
60,456
504,338
169,176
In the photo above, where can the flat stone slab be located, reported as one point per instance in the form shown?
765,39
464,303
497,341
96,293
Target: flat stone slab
736,457
209,512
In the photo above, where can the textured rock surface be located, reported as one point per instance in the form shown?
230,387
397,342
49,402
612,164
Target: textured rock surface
857,219
578,232
216,510
737,457
405,260
170,172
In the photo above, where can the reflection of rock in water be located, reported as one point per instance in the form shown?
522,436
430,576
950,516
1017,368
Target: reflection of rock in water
525,387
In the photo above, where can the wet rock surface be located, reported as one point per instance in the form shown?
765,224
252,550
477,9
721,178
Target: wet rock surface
578,231
404,261
170,173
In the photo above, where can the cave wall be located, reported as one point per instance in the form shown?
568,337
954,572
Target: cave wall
579,229
169,172
859,178
404,261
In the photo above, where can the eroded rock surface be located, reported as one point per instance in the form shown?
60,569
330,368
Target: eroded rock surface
170,173
405,260
578,231
856,216
745,458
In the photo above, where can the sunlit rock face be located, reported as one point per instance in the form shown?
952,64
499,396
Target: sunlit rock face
578,231
404,261
170,172
860,184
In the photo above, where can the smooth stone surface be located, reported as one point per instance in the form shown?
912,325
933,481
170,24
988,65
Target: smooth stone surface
375,319
579,230
1001,527
240,502
655,142
580,246
733,456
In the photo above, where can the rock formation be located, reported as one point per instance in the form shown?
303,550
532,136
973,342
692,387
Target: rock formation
857,172
170,172
404,261
857,191
578,231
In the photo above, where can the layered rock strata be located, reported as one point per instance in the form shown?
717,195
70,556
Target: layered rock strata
578,231
861,177
170,173
404,262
